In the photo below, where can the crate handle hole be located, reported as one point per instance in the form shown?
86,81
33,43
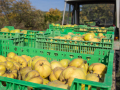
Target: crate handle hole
103,52
71,56
41,52
88,58
48,53
22,50
3,83
27,50
59,59
103,60
99,52
79,56
99,60
56,54
15,49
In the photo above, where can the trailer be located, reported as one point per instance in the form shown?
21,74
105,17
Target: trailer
73,6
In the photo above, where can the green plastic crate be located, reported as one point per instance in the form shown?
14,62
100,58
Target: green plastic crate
30,38
49,30
66,31
94,29
20,38
90,23
100,56
16,42
84,28
62,28
9,27
44,42
59,28
6,35
16,37
51,25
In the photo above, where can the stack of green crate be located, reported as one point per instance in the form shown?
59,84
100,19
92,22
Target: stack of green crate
81,28
44,44
37,39
99,56
94,29
59,27
28,39
48,42
66,31
16,37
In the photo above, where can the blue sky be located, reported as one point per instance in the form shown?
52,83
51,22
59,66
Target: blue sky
45,5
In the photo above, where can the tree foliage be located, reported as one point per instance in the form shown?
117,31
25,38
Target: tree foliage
102,12
53,15
21,14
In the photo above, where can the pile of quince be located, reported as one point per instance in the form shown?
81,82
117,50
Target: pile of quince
18,31
85,37
13,31
68,25
55,73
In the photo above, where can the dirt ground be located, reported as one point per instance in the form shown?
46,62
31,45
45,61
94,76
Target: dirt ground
117,62
114,73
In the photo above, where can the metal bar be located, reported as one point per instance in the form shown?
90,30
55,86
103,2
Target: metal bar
70,18
76,13
75,18
64,13
117,12
69,13
114,15
73,15
79,14
94,1
118,15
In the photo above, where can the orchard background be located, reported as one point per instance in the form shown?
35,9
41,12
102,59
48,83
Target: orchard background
22,15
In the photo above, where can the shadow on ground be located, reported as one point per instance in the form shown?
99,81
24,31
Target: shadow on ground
117,59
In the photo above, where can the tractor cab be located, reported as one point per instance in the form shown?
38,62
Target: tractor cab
82,12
